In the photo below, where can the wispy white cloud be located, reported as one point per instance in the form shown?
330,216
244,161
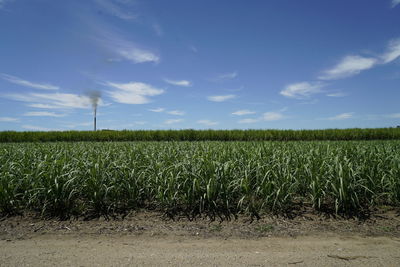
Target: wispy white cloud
134,124
183,83
395,3
392,52
267,116
43,114
137,55
157,29
343,116
171,112
227,76
116,8
79,124
354,64
124,48
8,119
43,106
193,48
207,122
157,109
19,81
348,66
273,116
133,92
63,100
220,98
339,94
176,112
243,112
302,89
172,121
248,120
383,116
394,116
37,128
4,2
53,100
234,89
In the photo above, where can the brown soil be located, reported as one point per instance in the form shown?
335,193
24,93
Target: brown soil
150,239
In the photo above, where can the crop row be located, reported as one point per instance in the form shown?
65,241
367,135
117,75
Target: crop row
204,135
80,179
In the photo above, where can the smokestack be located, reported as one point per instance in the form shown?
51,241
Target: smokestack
95,111
94,99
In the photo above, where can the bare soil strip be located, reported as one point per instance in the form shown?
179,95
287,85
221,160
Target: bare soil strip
117,250
148,239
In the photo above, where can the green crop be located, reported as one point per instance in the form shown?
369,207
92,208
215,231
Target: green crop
192,178
204,135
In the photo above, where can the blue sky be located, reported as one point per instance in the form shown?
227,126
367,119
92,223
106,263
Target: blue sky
226,64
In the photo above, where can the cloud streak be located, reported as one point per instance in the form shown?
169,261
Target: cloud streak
53,100
193,48
224,76
207,122
171,112
302,90
43,106
339,94
19,81
392,52
157,29
243,112
354,64
157,109
136,55
348,66
267,116
8,119
395,3
37,128
176,112
343,116
43,114
394,116
115,8
4,2
227,76
124,48
183,83
132,92
80,124
273,116
220,98
173,121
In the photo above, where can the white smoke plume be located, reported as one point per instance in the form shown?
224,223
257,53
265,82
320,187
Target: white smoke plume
94,98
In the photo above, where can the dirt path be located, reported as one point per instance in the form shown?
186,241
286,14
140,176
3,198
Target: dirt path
117,250
149,239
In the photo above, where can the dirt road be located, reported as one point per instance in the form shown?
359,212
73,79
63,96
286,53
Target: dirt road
149,239
117,250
